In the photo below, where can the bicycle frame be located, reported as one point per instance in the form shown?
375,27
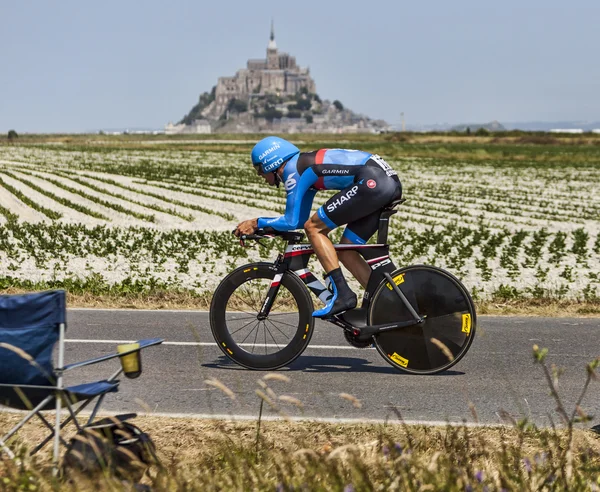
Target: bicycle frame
295,259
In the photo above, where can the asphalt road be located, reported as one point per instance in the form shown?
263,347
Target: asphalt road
496,376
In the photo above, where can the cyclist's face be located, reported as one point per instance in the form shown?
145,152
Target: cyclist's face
269,178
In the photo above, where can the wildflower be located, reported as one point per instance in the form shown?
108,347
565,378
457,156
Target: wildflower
349,488
479,476
398,447
386,451
527,464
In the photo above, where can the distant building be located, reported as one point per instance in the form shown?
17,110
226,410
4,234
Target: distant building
566,130
197,126
275,74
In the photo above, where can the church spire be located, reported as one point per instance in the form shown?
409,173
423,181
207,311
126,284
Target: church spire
272,45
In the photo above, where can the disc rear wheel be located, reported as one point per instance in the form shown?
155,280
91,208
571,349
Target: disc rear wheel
447,331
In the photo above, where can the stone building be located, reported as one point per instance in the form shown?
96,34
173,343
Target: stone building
275,74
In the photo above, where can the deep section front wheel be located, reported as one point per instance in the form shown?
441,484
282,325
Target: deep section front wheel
445,335
262,344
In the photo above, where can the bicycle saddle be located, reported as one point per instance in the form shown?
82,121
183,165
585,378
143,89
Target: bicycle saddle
394,204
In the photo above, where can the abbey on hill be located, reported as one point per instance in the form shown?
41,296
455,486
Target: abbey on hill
276,74
271,94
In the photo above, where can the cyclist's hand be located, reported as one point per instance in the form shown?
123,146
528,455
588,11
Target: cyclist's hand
246,227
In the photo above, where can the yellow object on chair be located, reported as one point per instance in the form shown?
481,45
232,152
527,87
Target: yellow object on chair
132,362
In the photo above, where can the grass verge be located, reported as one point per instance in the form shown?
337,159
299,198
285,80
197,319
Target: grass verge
290,455
220,455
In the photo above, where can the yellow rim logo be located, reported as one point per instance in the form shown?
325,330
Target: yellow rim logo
398,279
466,323
398,359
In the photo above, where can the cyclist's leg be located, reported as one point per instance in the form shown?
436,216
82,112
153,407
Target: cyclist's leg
360,230
342,297
352,260
352,203
317,232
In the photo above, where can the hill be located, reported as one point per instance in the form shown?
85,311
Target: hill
299,112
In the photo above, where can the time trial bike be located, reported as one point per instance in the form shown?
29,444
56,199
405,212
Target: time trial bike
420,318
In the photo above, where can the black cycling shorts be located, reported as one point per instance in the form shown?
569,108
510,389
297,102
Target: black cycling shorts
359,205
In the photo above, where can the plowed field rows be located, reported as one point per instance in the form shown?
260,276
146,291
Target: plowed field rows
134,220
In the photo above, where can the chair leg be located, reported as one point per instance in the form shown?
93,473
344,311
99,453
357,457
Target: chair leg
66,421
26,419
51,427
7,450
95,410
75,413
57,427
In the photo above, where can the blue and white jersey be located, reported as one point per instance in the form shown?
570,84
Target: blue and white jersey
308,172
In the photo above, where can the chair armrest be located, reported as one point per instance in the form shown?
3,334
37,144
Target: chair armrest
149,342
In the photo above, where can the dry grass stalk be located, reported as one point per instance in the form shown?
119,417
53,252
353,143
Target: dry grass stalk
352,399
445,350
219,385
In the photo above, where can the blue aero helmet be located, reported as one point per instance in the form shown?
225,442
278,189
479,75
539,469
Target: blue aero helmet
272,152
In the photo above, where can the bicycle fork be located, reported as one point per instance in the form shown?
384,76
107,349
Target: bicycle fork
301,270
271,295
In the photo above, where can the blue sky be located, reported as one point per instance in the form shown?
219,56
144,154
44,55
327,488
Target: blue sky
76,66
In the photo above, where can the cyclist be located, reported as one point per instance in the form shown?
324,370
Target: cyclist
366,183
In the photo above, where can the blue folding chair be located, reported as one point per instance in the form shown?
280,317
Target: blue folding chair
30,326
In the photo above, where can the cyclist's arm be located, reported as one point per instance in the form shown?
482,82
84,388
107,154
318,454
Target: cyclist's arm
296,210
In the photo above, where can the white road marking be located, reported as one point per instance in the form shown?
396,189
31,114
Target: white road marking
133,310
333,420
280,418
214,344
272,345
200,311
